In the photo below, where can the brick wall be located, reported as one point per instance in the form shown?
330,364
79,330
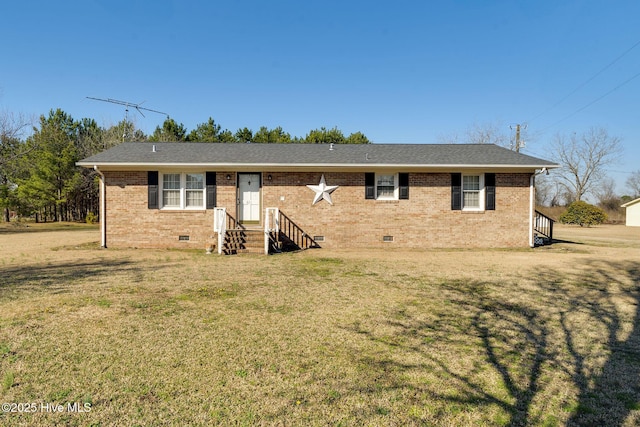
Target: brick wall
425,220
131,224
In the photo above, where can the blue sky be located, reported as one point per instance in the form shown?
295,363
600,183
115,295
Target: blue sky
400,72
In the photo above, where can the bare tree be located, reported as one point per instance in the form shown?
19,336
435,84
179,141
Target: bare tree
606,195
633,182
12,130
488,133
583,159
543,192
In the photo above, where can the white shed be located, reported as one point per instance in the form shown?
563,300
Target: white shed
633,213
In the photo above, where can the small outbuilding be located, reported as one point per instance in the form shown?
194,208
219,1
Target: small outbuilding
633,213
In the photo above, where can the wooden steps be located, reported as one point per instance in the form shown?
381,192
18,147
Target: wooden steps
243,241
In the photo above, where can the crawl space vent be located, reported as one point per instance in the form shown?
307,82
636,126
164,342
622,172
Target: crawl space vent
183,238
387,238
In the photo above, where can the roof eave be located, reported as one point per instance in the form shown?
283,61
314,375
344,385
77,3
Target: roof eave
631,202
306,166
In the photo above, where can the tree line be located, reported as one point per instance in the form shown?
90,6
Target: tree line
210,131
38,173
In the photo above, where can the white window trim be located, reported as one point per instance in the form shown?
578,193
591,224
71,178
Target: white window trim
183,192
481,193
396,186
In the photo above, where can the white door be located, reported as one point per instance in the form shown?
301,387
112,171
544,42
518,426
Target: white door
249,197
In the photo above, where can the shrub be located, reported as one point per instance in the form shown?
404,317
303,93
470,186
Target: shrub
582,213
91,218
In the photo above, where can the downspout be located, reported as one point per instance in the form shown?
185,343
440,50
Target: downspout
103,209
532,183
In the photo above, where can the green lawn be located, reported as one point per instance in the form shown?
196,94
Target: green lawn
538,337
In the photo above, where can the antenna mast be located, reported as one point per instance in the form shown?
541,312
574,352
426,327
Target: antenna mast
126,111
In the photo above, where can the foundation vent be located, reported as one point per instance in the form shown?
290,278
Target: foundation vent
183,238
387,238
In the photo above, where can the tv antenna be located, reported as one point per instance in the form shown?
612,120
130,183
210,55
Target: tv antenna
137,107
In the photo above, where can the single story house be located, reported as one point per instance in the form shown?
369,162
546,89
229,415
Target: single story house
194,195
633,213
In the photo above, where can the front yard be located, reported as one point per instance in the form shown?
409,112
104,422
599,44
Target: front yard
549,336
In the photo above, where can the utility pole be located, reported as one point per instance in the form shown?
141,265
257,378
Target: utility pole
519,144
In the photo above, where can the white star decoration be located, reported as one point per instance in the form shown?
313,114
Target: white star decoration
323,191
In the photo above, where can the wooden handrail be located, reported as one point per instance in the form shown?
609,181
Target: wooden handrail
296,235
282,234
543,225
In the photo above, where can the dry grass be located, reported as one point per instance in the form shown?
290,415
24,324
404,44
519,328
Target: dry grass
549,336
614,216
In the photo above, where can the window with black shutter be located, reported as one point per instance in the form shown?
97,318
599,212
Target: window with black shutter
369,185
152,189
403,181
490,191
456,191
211,189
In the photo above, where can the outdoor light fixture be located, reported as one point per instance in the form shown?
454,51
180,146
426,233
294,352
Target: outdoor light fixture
269,177
228,177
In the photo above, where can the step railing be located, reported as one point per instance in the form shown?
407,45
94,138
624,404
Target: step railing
280,229
271,228
233,224
543,225
220,225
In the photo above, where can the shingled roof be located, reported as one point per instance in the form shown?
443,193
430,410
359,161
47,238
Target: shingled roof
184,154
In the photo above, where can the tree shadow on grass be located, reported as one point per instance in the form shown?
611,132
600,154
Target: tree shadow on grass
552,332
608,393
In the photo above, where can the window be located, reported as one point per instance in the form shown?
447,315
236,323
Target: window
468,192
385,186
171,190
195,190
471,192
183,190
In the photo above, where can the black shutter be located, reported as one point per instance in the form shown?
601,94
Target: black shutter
152,189
369,185
403,179
490,190
456,191
211,190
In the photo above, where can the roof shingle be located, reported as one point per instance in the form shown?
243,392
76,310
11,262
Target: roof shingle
427,155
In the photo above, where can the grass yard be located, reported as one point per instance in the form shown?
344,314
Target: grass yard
545,337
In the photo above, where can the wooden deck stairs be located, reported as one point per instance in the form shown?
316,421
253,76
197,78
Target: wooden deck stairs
542,229
243,241
280,234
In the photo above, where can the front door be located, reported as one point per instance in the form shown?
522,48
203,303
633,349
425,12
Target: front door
249,198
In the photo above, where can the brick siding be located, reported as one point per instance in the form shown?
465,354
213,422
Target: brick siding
425,220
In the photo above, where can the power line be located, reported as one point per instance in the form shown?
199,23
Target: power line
586,82
591,103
